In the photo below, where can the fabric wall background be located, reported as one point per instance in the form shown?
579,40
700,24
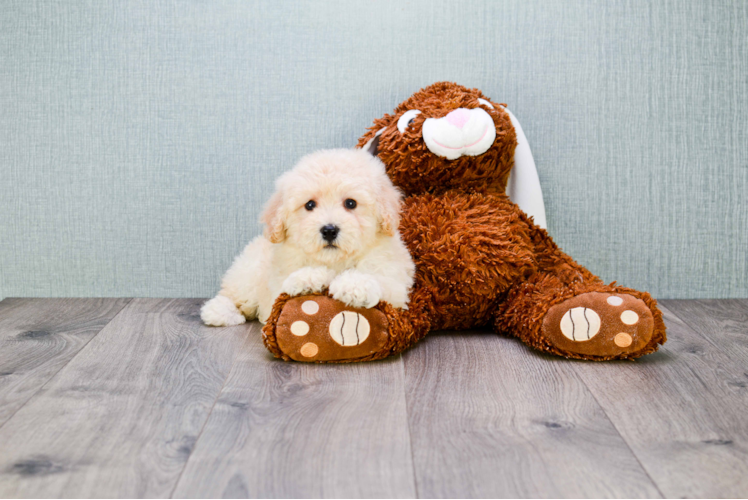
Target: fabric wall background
138,141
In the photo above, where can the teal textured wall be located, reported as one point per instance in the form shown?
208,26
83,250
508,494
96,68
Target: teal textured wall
138,141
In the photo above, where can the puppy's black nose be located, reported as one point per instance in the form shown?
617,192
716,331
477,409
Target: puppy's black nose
329,232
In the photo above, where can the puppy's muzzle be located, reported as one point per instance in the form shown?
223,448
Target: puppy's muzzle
329,232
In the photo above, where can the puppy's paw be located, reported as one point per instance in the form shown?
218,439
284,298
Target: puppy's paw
308,279
221,311
356,289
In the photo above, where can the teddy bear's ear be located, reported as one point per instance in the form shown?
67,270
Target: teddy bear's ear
523,186
372,147
274,219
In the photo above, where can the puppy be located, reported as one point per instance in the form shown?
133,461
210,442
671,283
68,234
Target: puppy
331,224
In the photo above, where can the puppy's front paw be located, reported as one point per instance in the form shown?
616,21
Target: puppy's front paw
356,289
308,279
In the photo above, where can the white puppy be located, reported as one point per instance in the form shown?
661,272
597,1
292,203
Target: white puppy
331,224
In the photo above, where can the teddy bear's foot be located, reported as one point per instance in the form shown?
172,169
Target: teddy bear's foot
318,328
599,326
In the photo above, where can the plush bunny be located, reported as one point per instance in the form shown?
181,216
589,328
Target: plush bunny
480,260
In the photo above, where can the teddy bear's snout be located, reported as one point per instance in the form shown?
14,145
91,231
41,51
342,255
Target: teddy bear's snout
462,132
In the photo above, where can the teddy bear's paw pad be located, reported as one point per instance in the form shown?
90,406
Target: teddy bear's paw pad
319,328
599,324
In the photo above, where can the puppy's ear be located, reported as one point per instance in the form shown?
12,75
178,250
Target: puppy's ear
274,219
388,207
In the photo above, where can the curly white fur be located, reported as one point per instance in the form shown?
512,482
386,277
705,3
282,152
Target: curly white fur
368,261
356,289
221,311
308,279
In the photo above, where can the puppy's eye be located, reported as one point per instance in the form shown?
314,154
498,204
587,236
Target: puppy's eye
407,120
310,205
350,204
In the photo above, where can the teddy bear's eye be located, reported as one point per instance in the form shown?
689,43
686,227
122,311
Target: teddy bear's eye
350,204
407,119
310,205
485,103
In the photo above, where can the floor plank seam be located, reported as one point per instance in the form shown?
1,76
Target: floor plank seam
42,386
410,435
207,418
623,438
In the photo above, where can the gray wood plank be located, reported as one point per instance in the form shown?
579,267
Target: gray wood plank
722,322
40,336
121,419
683,412
304,430
491,418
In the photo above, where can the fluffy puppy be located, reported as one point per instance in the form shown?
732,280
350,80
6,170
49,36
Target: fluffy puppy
331,224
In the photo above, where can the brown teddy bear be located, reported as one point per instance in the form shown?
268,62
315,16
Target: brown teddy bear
480,260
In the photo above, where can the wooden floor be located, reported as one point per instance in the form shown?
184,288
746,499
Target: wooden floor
135,398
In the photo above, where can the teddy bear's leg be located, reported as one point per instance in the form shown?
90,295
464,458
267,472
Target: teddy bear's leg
318,328
566,310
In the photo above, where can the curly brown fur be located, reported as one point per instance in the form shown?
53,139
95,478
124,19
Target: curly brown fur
469,248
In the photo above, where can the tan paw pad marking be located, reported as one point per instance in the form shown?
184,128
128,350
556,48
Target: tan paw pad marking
349,328
580,324
309,350
623,339
615,301
310,307
300,328
629,317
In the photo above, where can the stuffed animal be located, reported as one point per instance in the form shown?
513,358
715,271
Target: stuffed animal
480,260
